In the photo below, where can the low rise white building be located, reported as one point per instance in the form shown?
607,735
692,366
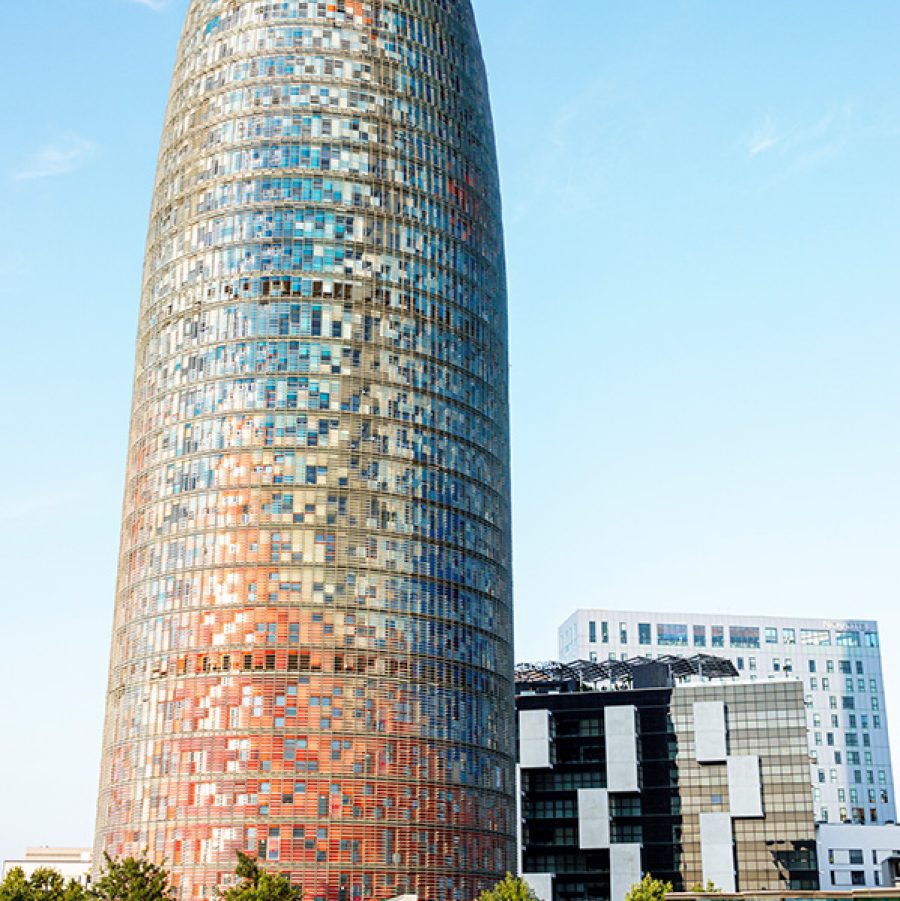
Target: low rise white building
70,863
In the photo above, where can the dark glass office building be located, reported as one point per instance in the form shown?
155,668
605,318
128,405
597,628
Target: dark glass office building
692,781
311,657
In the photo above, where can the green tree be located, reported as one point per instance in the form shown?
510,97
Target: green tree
649,889
75,891
512,888
258,884
49,885
709,889
132,879
44,884
15,886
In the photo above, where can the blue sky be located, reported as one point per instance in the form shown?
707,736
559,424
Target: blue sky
703,222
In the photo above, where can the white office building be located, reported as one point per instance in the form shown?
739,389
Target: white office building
854,856
839,663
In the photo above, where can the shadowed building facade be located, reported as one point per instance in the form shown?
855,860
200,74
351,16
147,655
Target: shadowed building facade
627,769
311,656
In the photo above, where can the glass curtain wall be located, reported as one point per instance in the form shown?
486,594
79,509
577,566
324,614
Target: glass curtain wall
312,648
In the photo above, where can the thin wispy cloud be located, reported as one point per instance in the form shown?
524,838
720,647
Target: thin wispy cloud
61,156
555,170
765,137
155,5
803,143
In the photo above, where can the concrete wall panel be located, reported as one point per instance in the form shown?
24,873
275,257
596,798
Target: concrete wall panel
744,787
710,732
534,739
625,869
593,818
541,884
620,724
717,850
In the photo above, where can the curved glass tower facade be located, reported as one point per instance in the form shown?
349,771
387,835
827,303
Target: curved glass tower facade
312,648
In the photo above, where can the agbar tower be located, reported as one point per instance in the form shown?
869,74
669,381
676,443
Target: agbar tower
312,647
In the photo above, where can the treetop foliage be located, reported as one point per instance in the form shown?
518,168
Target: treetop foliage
649,889
709,889
132,879
512,888
44,884
258,884
128,879
138,879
